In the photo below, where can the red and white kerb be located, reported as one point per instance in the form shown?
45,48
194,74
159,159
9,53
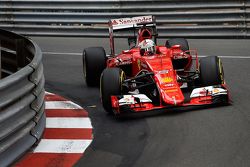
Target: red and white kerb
67,135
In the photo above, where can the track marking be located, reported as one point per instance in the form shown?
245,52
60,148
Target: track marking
79,54
61,105
229,57
67,135
49,160
62,146
51,97
48,93
68,122
65,113
60,53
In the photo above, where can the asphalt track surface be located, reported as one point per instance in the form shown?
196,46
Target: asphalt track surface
213,137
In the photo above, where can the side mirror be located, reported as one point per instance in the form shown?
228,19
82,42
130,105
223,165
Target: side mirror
131,42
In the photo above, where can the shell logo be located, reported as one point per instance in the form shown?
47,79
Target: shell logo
167,79
216,90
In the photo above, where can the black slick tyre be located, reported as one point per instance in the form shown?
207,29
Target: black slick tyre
181,63
110,84
211,71
178,41
94,62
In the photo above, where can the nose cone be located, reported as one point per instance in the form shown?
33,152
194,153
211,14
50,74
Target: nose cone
169,88
166,80
172,96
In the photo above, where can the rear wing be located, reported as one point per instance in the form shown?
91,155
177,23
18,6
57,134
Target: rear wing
122,23
126,23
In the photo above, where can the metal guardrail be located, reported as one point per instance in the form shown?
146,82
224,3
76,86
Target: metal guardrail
22,118
175,18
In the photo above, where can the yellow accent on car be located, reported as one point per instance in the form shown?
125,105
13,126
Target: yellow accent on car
122,78
171,90
167,79
139,64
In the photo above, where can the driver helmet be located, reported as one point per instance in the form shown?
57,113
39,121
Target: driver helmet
147,47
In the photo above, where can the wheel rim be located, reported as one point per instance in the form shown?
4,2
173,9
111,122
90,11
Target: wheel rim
221,72
122,77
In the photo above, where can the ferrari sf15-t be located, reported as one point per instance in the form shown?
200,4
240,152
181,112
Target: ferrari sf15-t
139,79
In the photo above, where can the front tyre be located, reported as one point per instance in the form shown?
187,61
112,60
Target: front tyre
211,71
94,62
110,84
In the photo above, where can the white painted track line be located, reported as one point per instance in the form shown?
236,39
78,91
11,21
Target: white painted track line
61,105
79,54
48,93
62,146
58,53
68,122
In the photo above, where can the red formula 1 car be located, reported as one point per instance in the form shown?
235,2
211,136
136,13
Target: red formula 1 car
152,77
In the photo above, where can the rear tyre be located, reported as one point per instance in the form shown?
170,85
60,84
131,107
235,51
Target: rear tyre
211,71
178,41
179,63
94,62
110,84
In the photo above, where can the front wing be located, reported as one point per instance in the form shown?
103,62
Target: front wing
202,96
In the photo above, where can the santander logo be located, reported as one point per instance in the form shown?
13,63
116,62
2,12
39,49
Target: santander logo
133,20
114,22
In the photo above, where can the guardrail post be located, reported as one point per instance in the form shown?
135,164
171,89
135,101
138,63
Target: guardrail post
244,15
20,53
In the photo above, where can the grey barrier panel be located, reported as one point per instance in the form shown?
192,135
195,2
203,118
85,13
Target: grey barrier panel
0,61
175,18
22,118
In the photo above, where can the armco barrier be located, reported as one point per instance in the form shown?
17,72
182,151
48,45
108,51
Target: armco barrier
175,18
22,118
